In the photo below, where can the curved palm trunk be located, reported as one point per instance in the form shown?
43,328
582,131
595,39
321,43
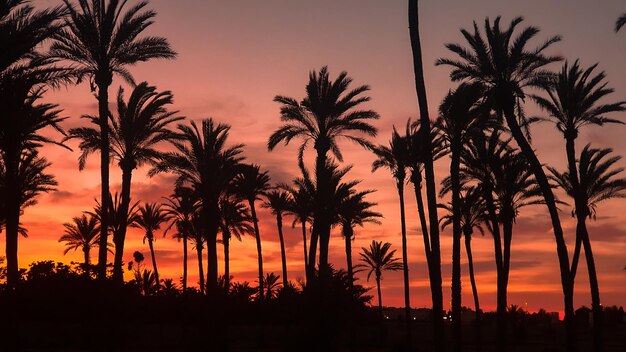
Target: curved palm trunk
226,243
257,236
120,237
283,257
456,246
380,296
561,247
598,342
184,262
348,232
434,267
470,262
200,268
154,264
12,220
417,188
405,264
103,110
306,258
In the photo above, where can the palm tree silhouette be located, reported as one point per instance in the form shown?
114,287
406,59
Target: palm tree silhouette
272,285
377,259
82,233
181,206
250,183
621,21
432,248
395,157
301,208
102,39
598,181
279,201
202,160
573,102
235,220
140,124
198,241
150,218
326,115
506,68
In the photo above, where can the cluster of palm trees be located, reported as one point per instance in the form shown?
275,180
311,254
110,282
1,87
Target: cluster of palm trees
482,127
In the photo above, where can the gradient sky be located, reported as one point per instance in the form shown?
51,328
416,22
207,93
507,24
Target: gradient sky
235,56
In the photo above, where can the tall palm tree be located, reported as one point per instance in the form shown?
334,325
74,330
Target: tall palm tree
82,233
203,160
462,112
327,114
377,259
139,125
181,206
621,21
301,208
251,183
278,201
507,67
235,220
573,102
598,180
353,210
150,218
395,157
433,248
102,39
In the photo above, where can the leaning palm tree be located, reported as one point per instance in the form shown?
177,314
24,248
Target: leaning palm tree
82,233
573,102
235,221
395,157
507,67
102,39
150,218
278,202
251,183
180,207
377,259
140,124
598,180
203,160
327,114
621,21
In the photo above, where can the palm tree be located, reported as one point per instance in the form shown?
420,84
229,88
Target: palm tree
102,39
235,220
250,183
202,160
598,181
506,68
353,210
140,124
198,241
301,208
272,285
181,206
433,248
573,103
377,259
621,21
327,114
278,202
83,233
150,218
395,157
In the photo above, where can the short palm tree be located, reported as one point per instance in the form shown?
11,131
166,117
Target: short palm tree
327,114
139,125
272,285
278,201
203,160
101,39
251,183
235,221
506,67
301,209
150,218
82,233
377,259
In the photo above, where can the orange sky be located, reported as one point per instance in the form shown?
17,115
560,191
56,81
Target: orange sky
235,56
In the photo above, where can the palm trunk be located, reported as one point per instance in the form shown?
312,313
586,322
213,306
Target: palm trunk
12,219
103,110
347,236
434,267
598,342
210,213
200,267
87,260
321,226
405,264
417,187
184,262
257,236
154,264
561,247
380,296
120,238
456,247
226,243
312,252
306,258
507,228
470,262
283,257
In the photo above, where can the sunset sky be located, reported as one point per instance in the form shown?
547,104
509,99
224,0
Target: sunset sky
235,56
